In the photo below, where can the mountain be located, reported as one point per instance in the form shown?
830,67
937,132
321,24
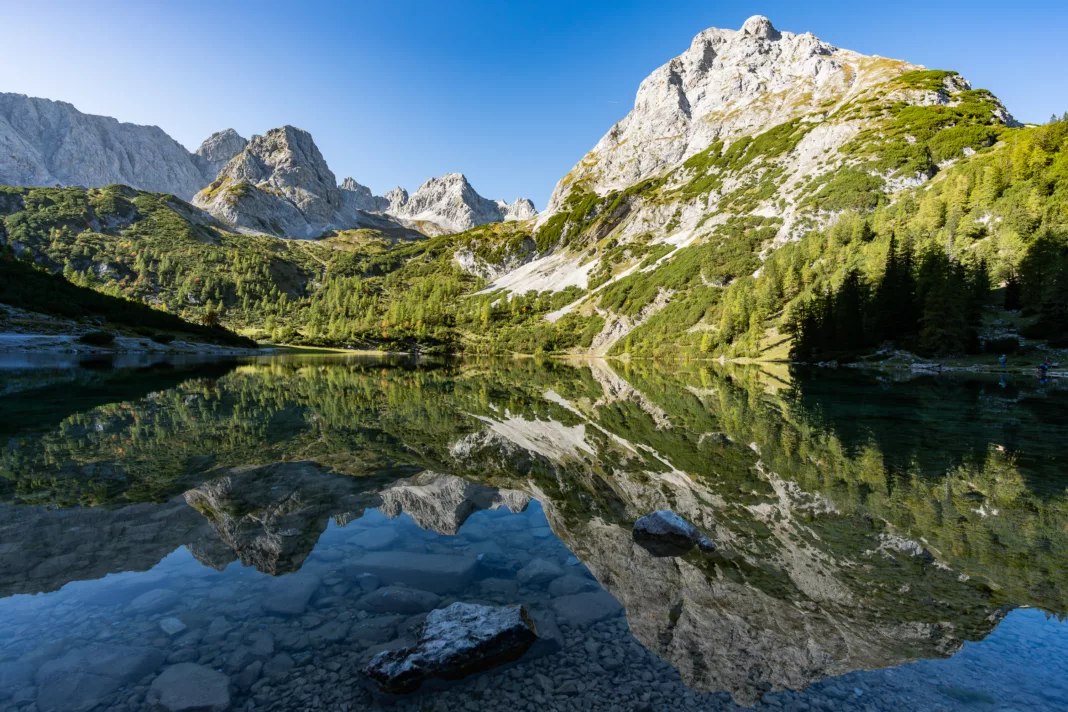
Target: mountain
45,142
452,205
279,184
734,84
217,150
441,206
359,197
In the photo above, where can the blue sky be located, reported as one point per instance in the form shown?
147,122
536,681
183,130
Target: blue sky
512,94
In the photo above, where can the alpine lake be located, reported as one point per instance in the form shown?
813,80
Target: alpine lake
250,534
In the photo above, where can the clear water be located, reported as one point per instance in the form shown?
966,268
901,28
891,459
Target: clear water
884,542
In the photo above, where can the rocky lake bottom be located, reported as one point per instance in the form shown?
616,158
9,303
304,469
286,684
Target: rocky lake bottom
289,616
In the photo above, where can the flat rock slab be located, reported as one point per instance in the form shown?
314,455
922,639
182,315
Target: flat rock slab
155,601
375,539
570,584
582,610
188,687
439,573
539,572
289,595
397,599
457,641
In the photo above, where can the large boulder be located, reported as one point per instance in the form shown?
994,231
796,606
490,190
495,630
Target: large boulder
457,641
664,533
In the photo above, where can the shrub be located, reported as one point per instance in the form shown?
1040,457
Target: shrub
97,338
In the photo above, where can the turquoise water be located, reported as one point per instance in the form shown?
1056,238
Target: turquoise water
883,543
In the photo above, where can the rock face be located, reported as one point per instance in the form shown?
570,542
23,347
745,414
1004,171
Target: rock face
359,197
218,149
665,533
457,641
396,199
44,142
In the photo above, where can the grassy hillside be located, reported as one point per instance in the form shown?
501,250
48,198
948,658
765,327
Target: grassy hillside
25,287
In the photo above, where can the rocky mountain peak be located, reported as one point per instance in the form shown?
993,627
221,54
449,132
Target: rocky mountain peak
398,198
361,198
280,184
218,149
451,202
728,83
760,27
521,209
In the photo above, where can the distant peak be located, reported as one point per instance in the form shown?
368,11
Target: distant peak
760,26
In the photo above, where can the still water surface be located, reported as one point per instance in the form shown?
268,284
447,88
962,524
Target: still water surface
258,530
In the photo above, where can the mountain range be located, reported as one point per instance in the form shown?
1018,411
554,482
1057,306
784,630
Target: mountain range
758,172
277,184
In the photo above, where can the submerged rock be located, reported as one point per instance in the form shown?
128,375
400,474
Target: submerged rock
457,641
186,687
665,533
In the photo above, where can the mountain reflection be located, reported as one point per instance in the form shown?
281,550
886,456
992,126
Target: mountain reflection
861,522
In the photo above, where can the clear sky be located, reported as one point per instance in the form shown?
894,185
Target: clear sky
510,93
